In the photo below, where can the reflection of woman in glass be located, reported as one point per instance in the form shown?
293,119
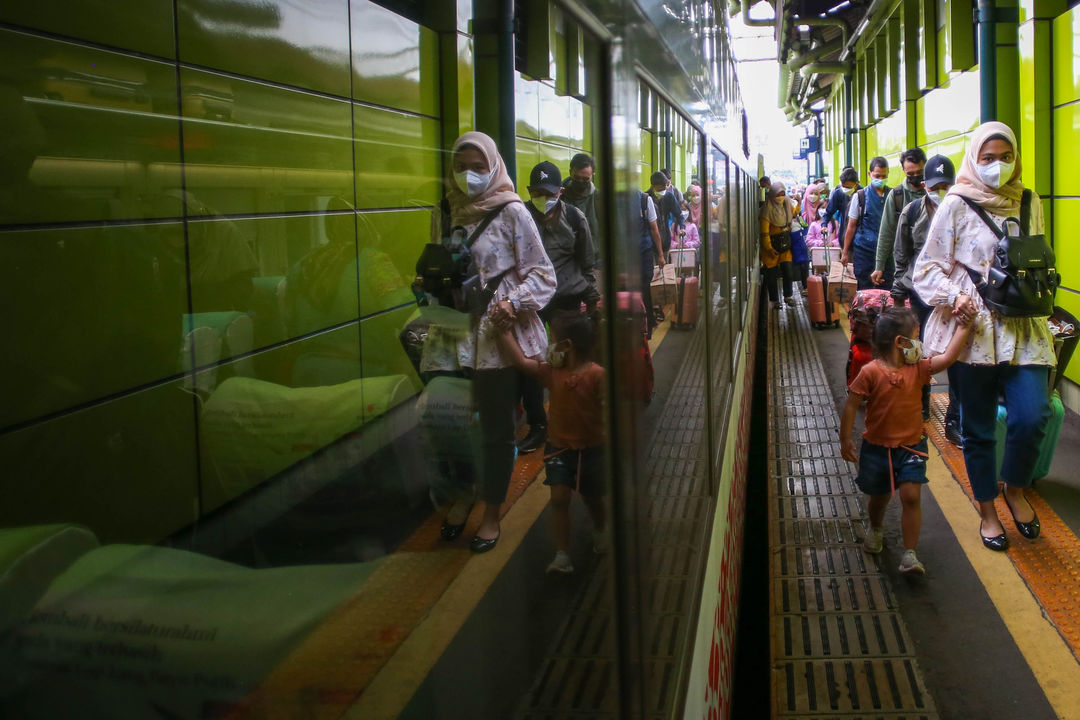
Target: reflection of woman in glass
509,257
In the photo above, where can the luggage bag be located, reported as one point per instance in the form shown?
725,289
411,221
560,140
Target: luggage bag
821,316
1049,442
686,303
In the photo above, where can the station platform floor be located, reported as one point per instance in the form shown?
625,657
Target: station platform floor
981,635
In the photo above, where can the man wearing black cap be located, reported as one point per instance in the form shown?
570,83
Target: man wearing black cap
911,230
565,234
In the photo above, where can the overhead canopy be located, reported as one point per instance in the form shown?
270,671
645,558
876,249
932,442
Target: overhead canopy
815,42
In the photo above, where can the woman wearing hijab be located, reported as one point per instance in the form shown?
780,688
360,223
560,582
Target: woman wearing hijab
509,251
1009,355
774,219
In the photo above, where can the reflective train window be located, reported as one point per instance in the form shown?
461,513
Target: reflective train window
344,377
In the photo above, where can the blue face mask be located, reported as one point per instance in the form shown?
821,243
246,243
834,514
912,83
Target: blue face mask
878,182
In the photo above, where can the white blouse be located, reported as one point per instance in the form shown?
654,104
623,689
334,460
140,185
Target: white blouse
510,243
958,237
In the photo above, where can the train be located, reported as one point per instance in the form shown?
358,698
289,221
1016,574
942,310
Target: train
210,437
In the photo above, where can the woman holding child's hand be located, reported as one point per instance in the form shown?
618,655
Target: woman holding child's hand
1007,356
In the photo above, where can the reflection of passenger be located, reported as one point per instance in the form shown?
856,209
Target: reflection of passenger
222,263
574,457
510,260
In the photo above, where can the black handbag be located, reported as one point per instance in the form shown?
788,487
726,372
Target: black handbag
781,242
1022,276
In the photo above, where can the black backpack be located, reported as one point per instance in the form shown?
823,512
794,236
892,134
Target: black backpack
1022,276
444,267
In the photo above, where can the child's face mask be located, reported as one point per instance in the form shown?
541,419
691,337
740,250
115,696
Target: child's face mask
914,353
556,357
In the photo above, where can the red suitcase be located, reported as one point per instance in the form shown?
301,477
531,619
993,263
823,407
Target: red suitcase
820,309
686,303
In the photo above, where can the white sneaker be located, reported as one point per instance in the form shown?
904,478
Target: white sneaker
874,540
561,564
910,564
599,542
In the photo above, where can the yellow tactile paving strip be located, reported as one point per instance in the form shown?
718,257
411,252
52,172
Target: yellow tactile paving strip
1049,565
327,672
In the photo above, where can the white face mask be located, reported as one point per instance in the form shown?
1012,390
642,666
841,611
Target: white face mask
996,173
913,354
556,358
473,183
848,190
544,203
936,196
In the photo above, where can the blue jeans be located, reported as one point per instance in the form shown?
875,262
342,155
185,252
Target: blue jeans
978,388
863,259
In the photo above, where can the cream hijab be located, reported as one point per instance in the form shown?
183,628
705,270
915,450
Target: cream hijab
1004,200
779,215
465,210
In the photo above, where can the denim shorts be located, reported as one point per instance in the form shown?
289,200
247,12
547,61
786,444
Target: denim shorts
563,465
873,477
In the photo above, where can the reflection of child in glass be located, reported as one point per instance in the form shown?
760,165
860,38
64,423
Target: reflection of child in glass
894,449
574,457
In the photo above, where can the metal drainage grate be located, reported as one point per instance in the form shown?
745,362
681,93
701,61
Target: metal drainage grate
839,647
578,677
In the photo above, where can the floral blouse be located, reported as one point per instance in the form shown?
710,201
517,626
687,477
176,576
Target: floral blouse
510,243
958,237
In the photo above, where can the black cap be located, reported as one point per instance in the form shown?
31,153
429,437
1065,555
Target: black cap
939,169
545,176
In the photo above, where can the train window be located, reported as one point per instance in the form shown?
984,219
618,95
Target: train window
309,461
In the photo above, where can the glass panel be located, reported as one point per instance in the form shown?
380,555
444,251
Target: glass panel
720,266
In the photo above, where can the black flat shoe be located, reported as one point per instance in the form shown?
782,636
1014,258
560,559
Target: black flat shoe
999,543
451,532
1030,530
482,545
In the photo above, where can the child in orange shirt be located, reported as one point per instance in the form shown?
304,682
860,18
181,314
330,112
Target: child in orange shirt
894,450
574,457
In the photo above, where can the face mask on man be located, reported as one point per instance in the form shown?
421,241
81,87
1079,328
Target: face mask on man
580,186
848,190
472,183
996,173
544,203
878,182
915,181
936,196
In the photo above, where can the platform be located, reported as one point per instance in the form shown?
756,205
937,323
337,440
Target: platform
981,635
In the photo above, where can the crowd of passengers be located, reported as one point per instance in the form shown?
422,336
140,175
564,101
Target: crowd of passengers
528,282
932,243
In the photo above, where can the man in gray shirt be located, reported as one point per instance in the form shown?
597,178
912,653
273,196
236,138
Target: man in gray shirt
567,240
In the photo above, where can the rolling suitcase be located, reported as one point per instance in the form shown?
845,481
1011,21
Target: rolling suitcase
1049,442
821,315
686,303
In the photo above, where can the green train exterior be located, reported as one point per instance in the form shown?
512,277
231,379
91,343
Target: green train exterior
210,216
